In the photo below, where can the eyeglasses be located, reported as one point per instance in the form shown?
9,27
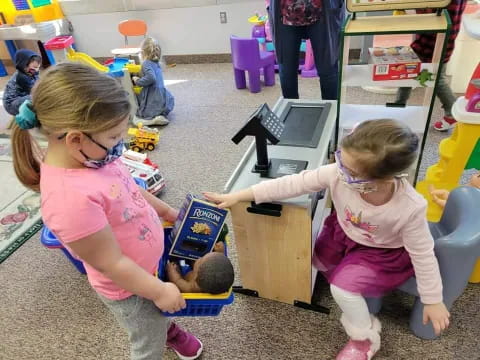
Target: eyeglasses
88,136
345,173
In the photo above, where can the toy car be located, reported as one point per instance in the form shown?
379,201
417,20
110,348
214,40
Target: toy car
135,162
143,138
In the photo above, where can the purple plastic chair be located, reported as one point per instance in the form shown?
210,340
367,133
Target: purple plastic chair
246,56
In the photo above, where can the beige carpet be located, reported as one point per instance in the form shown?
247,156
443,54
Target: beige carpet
49,312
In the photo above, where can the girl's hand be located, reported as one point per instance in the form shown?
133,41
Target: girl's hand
171,299
171,215
439,196
135,79
438,315
222,200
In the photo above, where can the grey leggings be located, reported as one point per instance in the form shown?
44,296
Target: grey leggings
146,326
444,93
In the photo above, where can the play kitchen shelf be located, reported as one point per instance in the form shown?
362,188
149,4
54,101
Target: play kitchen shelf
417,117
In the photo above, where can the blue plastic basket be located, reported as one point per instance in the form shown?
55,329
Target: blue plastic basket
50,241
204,304
198,304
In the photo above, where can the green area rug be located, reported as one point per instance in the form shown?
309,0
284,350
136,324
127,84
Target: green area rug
19,207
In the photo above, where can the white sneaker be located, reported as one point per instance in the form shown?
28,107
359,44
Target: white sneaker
157,120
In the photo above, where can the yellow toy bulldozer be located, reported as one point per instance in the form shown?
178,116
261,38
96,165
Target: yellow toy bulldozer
143,138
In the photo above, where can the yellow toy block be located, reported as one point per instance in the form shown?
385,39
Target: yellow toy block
475,278
455,154
133,68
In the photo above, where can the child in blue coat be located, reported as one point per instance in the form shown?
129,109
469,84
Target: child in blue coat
155,101
18,88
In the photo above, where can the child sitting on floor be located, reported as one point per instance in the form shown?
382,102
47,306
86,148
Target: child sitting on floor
213,273
18,88
155,102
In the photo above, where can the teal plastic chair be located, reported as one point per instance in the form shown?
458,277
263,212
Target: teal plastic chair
457,247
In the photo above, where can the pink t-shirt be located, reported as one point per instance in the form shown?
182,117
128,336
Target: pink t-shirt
80,202
399,223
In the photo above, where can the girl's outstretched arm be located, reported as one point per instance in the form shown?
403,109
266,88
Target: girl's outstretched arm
285,187
228,200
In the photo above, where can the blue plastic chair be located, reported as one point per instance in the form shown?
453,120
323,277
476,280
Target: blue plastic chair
457,247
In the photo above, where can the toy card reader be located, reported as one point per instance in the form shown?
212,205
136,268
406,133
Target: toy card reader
265,125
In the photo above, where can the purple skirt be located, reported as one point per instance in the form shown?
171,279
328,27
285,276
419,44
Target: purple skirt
369,271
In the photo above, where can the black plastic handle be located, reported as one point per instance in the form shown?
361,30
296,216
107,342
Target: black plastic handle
265,209
397,105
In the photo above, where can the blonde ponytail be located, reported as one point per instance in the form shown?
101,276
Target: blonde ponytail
26,163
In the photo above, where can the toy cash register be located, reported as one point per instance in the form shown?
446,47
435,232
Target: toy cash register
264,124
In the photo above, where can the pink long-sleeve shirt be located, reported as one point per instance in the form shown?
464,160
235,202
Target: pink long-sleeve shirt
401,222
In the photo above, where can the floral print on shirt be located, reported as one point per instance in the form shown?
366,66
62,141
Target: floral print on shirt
300,12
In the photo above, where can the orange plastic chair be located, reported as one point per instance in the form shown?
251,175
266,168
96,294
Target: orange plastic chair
132,28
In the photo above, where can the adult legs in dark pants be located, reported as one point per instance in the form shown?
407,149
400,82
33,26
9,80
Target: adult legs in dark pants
327,66
326,63
288,69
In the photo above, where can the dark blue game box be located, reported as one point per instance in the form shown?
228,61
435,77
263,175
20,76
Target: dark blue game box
196,229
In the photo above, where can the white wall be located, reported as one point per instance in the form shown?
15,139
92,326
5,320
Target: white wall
181,31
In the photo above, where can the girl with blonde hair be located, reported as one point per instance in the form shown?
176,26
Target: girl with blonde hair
155,102
93,206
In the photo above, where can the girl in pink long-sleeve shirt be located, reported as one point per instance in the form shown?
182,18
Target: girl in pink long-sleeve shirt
377,238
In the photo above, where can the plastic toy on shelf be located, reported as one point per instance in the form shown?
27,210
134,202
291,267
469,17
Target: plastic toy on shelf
143,138
39,10
34,20
424,76
394,63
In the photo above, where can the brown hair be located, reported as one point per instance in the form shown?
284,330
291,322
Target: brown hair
68,96
385,147
151,49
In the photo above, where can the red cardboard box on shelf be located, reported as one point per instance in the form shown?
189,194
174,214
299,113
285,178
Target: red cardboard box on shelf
394,63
